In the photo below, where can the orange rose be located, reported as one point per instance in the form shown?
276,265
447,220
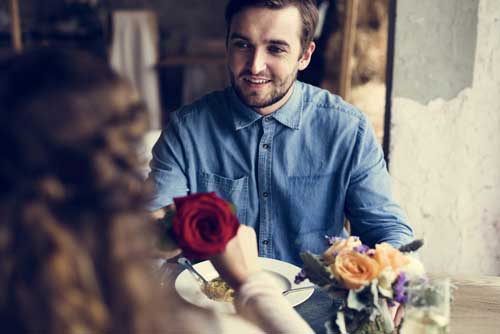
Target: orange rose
388,256
354,269
338,246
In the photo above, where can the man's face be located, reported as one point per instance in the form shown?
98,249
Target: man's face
265,54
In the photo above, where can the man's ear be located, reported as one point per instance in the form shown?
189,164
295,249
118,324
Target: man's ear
306,56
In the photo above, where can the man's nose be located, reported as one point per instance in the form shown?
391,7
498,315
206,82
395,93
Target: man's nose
257,61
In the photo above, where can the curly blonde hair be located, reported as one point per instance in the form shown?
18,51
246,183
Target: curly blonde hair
74,237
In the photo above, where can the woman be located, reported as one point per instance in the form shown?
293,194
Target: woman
74,237
72,244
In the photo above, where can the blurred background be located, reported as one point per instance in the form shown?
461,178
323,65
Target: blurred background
426,73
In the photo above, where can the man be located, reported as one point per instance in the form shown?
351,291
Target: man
294,159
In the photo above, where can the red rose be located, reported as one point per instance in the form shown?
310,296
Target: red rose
203,224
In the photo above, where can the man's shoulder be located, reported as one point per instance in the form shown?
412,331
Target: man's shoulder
208,105
323,103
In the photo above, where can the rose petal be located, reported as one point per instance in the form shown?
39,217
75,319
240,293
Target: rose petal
203,224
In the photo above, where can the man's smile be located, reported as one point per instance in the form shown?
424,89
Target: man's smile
255,82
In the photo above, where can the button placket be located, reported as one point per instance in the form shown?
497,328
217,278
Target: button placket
264,183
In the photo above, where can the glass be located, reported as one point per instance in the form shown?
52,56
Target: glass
428,308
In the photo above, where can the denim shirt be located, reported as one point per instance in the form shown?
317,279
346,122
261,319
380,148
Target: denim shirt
294,175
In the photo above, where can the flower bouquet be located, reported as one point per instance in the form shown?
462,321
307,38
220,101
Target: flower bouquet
363,281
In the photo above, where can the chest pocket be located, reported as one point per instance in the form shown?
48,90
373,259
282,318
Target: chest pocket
232,190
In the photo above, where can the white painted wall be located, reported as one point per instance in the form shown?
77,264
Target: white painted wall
445,159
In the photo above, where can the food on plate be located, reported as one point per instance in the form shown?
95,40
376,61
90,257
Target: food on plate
218,290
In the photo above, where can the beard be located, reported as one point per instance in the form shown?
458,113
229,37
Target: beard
276,92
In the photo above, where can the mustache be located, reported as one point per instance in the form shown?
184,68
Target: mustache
249,73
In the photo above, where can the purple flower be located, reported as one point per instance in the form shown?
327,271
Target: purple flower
399,289
332,240
301,276
362,249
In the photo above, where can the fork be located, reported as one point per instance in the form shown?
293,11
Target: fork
287,291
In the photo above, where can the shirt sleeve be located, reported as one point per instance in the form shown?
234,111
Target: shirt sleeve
167,167
374,216
260,301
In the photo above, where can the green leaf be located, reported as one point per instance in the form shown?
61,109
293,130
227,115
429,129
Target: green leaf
365,297
335,290
375,298
166,240
412,246
371,327
168,220
385,292
354,302
316,270
385,316
232,207
340,322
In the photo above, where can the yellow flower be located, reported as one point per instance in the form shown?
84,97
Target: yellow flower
386,278
414,267
392,262
354,269
388,256
338,246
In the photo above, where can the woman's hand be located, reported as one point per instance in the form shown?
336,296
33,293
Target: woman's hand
239,260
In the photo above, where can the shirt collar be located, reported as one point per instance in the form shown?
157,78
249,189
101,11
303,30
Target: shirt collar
289,114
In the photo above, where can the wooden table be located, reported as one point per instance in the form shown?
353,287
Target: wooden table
476,305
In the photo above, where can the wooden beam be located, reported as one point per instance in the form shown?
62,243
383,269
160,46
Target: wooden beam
348,38
15,26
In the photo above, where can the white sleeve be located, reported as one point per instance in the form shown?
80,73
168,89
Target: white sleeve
260,301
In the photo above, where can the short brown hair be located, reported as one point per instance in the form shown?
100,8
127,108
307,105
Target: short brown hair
307,8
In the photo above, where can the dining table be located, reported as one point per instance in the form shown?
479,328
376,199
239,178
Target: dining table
474,308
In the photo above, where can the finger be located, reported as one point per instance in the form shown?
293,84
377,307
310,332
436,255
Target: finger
250,238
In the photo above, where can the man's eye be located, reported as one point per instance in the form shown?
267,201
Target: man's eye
275,50
241,45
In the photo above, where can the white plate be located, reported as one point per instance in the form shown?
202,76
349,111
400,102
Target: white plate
284,273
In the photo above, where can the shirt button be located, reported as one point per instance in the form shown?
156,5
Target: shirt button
267,119
265,242
265,146
265,194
